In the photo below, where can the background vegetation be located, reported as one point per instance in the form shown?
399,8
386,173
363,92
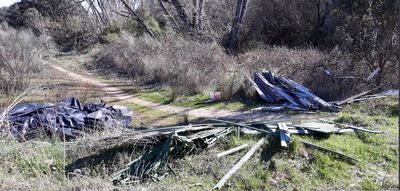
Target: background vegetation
185,48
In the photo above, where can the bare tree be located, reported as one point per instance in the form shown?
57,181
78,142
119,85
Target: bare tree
136,17
237,21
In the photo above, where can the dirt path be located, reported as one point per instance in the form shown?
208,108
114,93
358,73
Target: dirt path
117,94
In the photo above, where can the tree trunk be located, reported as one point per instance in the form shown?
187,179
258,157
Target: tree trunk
201,14
137,18
237,21
181,11
168,14
195,19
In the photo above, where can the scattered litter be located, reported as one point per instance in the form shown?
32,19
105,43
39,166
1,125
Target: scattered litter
278,89
214,96
67,118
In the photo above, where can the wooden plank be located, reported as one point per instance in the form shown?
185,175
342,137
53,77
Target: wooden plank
346,131
327,149
278,90
241,125
233,150
306,91
260,92
284,134
318,127
286,120
267,87
237,166
353,127
373,74
367,98
352,97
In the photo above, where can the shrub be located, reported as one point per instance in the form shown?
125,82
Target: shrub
19,58
187,66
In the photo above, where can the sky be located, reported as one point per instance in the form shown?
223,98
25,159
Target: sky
7,2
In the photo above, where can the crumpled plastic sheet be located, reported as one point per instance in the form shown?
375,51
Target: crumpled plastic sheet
68,118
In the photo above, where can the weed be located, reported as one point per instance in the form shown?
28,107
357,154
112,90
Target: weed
367,184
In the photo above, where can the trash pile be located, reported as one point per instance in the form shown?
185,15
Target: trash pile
169,143
68,118
277,89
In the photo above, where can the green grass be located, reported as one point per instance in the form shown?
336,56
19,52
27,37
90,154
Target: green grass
32,159
367,184
165,96
162,96
145,116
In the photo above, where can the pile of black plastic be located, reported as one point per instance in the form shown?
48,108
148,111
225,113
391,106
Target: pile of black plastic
66,119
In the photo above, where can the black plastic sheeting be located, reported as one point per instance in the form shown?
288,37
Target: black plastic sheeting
68,118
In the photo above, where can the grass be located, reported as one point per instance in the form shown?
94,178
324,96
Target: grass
164,95
145,116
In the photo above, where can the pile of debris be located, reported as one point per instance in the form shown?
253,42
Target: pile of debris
276,89
66,119
178,141
173,142
366,95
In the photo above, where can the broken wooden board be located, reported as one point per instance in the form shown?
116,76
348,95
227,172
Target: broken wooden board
241,125
352,127
284,134
277,90
233,150
318,127
349,99
237,166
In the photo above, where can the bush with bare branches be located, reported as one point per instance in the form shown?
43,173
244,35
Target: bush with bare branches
20,53
187,66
